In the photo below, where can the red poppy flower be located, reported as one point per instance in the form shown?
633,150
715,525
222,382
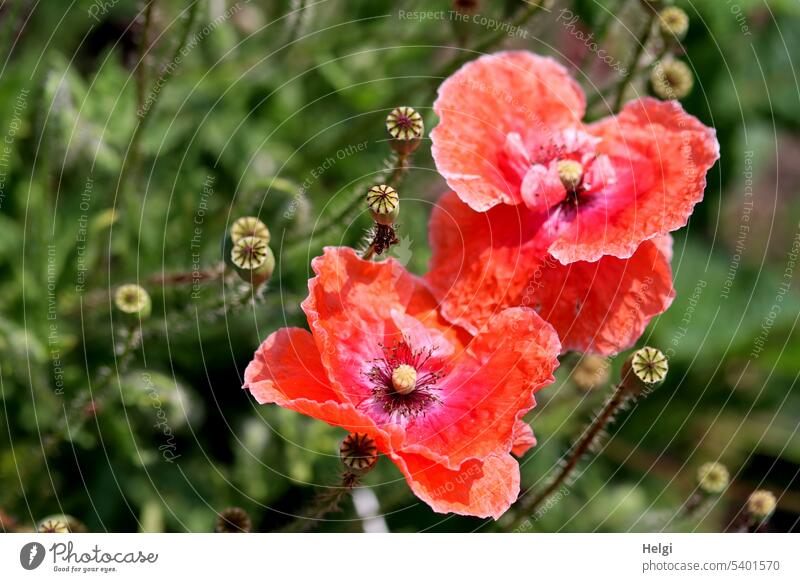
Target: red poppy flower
484,262
511,133
380,359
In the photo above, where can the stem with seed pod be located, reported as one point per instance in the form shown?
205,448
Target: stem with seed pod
614,403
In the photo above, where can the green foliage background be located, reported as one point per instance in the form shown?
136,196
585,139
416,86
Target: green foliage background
244,125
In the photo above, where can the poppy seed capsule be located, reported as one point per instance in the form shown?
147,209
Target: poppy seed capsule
253,260
761,504
133,300
233,520
406,127
358,452
712,477
570,172
384,204
673,22
671,79
249,226
404,379
644,369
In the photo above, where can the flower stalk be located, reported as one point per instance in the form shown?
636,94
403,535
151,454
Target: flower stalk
644,369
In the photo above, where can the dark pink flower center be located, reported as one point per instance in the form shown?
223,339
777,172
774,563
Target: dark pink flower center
403,380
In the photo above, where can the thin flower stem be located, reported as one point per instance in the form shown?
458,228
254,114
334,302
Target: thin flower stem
369,253
141,65
530,505
633,66
322,505
396,168
143,114
490,41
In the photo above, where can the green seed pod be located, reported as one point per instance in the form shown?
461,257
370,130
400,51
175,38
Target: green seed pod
133,300
673,22
358,452
249,226
671,79
644,370
761,504
406,127
712,478
384,204
253,260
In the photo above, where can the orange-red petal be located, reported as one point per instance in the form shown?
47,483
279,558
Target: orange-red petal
479,487
487,390
485,262
661,156
516,93
524,439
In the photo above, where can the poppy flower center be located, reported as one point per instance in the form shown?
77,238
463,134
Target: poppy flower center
404,380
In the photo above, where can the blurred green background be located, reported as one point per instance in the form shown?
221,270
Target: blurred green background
276,108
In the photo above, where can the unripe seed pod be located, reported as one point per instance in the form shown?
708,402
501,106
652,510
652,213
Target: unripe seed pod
133,300
761,504
384,204
671,79
358,452
712,477
249,226
253,260
673,22
406,127
643,370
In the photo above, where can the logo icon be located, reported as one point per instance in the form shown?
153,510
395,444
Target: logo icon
31,555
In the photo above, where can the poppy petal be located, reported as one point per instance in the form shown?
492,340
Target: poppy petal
486,108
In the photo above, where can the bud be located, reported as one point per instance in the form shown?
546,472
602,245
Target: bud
673,23
358,452
384,204
761,504
591,372
406,127
671,79
253,260
233,520
249,226
133,300
712,478
643,370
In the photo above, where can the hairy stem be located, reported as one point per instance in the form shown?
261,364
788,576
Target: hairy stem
633,65
531,504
